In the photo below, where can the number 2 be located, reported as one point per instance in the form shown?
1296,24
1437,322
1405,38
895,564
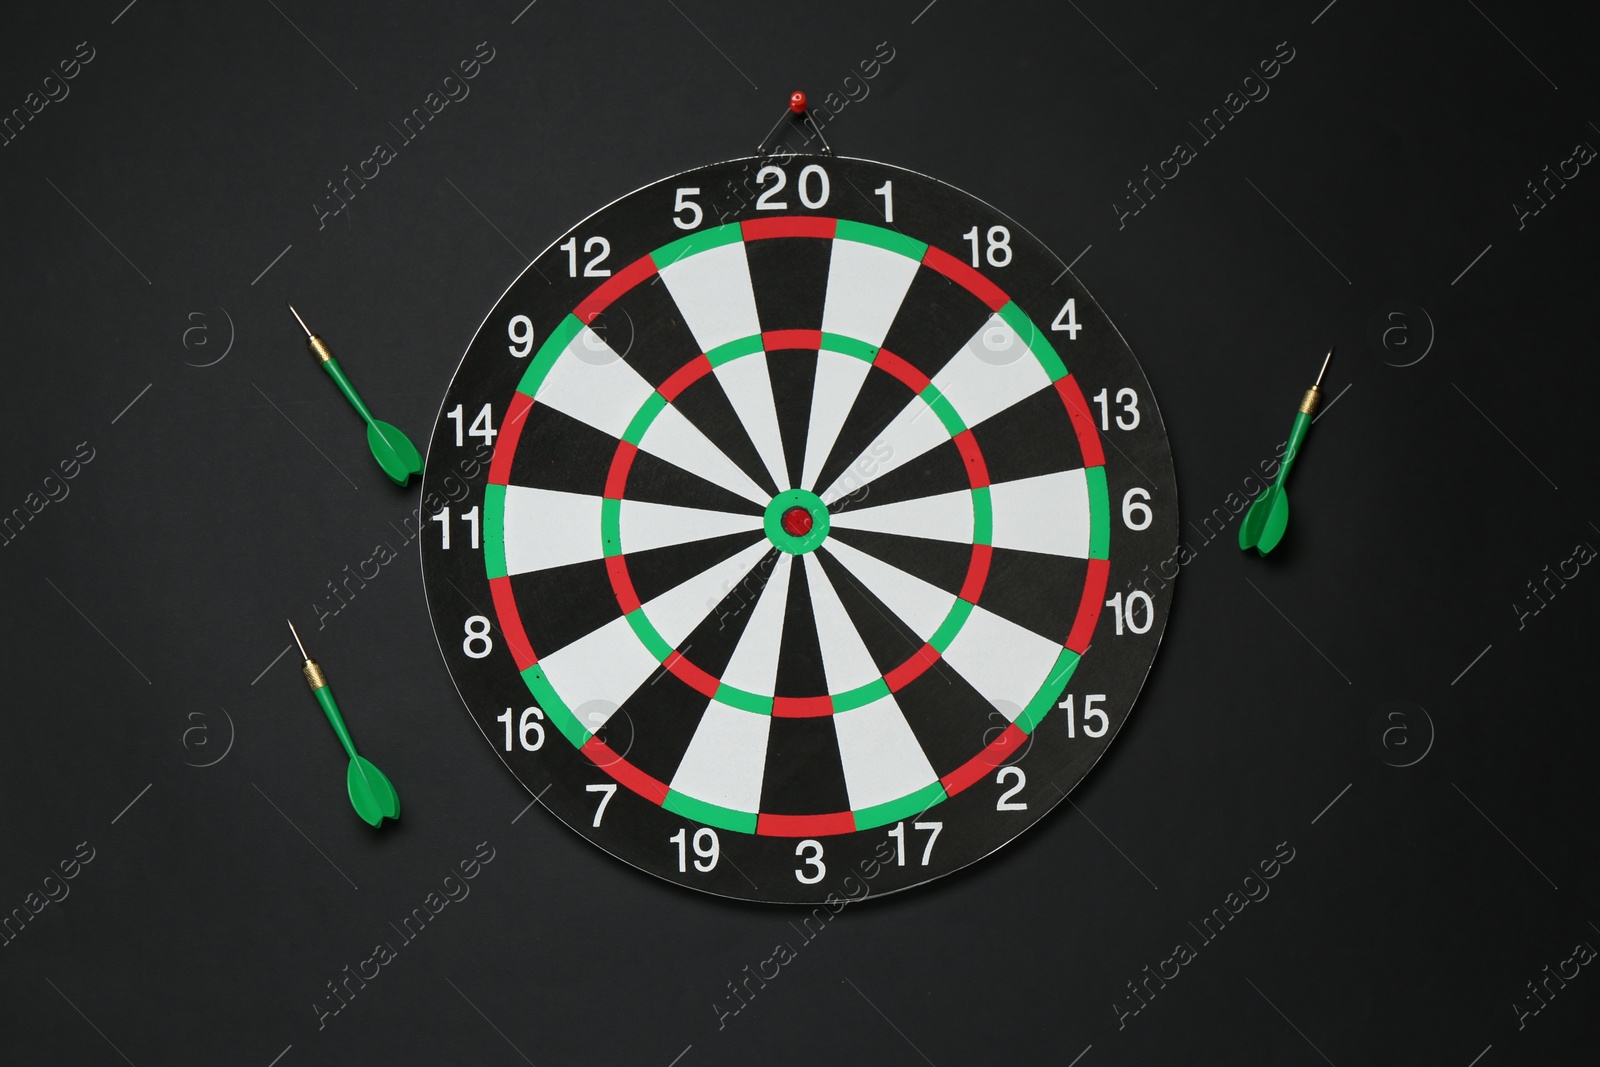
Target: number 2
1005,803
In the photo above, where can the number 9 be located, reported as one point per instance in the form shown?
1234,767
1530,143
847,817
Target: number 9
520,330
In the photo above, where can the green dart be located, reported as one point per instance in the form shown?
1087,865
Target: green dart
395,454
370,792
1268,517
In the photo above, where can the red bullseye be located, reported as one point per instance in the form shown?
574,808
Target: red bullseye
796,522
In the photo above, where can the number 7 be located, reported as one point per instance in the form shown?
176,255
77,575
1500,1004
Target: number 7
610,790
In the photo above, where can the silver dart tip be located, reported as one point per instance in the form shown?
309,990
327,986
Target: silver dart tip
303,653
301,321
1325,363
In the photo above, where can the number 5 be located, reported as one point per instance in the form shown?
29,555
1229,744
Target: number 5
682,204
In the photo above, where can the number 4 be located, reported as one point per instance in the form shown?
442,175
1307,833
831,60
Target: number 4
1067,319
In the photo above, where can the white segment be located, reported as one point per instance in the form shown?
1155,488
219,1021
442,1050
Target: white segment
1003,661
881,757
865,287
846,663
839,379
679,610
942,517
912,432
675,439
754,666
645,525
712,289
919,604
726,759
607,664
545,529
748,384
602,392
977,381
1049,514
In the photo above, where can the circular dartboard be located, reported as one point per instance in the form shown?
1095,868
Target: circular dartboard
799,526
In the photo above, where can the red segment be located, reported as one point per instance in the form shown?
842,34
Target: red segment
977,573
802,707
505,606
622,583
778,340
613,287
650,788
993,755
1094,591
966,277
690,675
977,469
769,825
907,672
505,446
893,364
1082,421
797,102
685,376
621,462
796,522
787,226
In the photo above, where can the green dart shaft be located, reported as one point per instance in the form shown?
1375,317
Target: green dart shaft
324,694
324,354
1268,515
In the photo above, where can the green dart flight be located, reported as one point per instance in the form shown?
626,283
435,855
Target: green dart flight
1268,517
397,456
370,792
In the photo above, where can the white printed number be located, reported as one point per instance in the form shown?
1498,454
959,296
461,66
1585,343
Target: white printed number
1128,417
1005,803
998,251
810,851
592,269
812,187
683,204
607,791
531,722
1137,613
705,848
477,644
899,834
1092,714
520,331
443,519
1136,513
482,426
1067,319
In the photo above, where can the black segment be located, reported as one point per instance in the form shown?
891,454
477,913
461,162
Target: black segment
881,398
800,672
653,728
790,277
887,637
804,774
710,646
1033,436
938,470
940,563
646,328
951,720
660,482
794,379
936,318
559,452
708,408
1036,591
561,604
660,569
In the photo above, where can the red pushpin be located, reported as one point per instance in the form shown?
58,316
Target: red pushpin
797,113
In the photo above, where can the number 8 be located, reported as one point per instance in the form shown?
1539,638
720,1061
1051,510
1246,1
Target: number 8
476,635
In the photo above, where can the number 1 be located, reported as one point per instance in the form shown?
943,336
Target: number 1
886,190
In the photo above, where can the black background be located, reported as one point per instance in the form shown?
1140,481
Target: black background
147,603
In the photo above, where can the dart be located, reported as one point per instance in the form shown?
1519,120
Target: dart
370,792
1268,517
394,452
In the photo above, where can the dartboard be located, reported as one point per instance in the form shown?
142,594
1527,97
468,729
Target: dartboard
798,526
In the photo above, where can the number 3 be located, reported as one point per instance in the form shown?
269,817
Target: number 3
814,861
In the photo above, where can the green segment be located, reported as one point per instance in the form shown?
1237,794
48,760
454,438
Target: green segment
861,696
1036,341
744,346
494,530
982,517
739,698
944,409
1099,513
611,526
547,355
1045,698
554,707
710,814
960,611
695,243
862,233
849,346
648,635
643,418
910,804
